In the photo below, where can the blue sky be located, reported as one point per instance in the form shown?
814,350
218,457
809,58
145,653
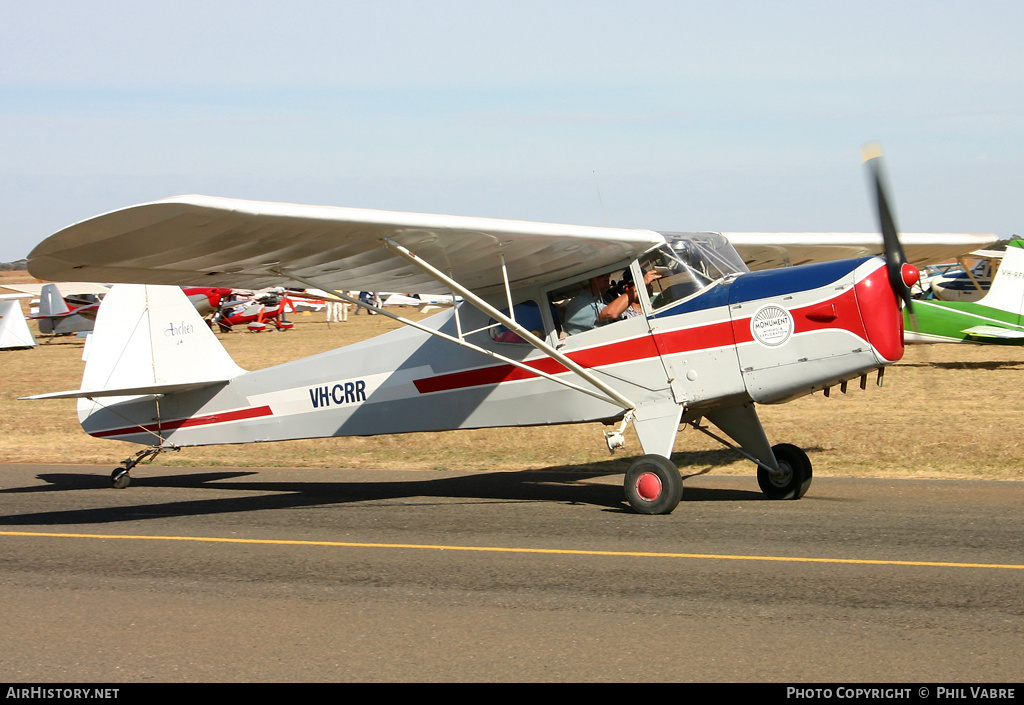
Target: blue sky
724,115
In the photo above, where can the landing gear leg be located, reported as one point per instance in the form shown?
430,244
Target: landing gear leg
120,478
653,485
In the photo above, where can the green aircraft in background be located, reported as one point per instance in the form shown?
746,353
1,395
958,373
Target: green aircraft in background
996,319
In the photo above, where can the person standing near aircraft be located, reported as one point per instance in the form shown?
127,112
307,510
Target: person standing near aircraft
371,298
337,311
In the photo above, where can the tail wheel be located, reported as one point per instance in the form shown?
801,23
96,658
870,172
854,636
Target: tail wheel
795,478
653,485
119,479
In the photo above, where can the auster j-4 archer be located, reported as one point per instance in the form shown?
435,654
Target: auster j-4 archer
701,340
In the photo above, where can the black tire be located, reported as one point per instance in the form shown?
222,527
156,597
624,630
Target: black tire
796,474
653,485
119,479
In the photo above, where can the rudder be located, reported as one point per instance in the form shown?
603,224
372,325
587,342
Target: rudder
152,336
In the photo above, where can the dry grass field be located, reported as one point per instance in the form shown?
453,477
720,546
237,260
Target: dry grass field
945,411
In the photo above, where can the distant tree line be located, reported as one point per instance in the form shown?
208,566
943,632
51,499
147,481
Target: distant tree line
16,266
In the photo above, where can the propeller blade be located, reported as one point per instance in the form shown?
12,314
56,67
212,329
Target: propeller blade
894,256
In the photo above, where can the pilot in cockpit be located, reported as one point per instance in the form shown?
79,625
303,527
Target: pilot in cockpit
583,310
600,303
626,303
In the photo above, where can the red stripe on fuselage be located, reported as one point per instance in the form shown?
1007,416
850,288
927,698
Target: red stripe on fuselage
222,417
713,335
611,354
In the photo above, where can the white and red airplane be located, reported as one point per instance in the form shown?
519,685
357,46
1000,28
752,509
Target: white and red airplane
58,314
254,312
703,341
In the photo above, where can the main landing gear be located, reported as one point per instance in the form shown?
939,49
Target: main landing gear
654,486
794,476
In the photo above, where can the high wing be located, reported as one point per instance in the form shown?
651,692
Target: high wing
769,250
210,241
36,288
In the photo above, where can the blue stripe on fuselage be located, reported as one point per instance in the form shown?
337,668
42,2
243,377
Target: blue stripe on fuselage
766,283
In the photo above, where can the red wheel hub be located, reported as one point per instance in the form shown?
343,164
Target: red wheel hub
648,486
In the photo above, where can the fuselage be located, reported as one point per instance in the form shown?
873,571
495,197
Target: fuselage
765,337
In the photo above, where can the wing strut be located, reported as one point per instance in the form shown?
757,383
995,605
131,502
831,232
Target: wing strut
606,393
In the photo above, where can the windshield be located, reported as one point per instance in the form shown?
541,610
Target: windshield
688,263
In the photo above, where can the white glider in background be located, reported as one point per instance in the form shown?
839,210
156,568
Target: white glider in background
14,330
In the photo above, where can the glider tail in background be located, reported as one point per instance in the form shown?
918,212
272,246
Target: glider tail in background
14,331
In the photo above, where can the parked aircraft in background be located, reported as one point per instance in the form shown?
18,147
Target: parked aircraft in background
771,250
967,280
14,330
997,318
64,316
422,302
255,313
58,314
702,341
35,289
207,299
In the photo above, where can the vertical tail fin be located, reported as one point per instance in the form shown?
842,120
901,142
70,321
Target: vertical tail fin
14,330
149,340
1007,290
152,336
51,303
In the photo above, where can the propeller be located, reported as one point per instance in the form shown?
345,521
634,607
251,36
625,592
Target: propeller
902,275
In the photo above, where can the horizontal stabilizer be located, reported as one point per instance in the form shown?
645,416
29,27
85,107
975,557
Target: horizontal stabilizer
994,332
124,392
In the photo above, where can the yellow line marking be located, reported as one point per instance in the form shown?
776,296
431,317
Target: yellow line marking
499,549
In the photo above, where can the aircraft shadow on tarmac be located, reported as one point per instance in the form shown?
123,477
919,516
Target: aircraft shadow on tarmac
989,365
562,484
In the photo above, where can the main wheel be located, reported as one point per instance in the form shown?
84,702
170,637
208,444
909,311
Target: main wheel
653,485
796,474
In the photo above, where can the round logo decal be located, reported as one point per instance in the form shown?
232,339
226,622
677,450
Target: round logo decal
771,325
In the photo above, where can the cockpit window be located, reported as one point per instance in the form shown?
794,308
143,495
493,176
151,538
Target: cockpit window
526,314
689,263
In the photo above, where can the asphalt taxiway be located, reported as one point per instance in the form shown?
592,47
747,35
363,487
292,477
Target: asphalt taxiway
240,575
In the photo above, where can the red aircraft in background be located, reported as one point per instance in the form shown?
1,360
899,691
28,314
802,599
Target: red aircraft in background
76,313
207,300
255,312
